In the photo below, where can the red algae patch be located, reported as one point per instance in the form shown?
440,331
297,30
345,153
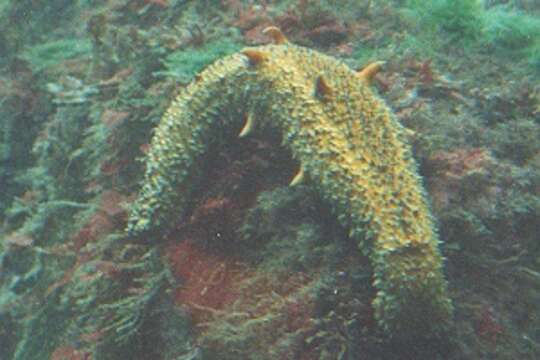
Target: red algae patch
273,317
461,162
69,353
459,174
219,292
208,282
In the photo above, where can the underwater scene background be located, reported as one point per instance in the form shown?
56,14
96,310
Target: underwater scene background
285,179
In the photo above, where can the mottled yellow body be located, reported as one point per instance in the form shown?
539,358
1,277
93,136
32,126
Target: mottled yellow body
351,149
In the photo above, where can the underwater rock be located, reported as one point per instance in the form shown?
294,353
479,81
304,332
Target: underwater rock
328,34
458,171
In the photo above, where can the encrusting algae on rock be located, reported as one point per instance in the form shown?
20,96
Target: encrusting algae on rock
350,147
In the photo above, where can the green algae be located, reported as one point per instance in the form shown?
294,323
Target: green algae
53,53
460,20
183,65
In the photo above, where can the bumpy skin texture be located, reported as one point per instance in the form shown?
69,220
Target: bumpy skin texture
349,145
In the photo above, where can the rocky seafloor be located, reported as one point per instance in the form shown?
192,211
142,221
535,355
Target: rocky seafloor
257,269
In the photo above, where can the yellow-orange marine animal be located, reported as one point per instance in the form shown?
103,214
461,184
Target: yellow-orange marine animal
349,145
